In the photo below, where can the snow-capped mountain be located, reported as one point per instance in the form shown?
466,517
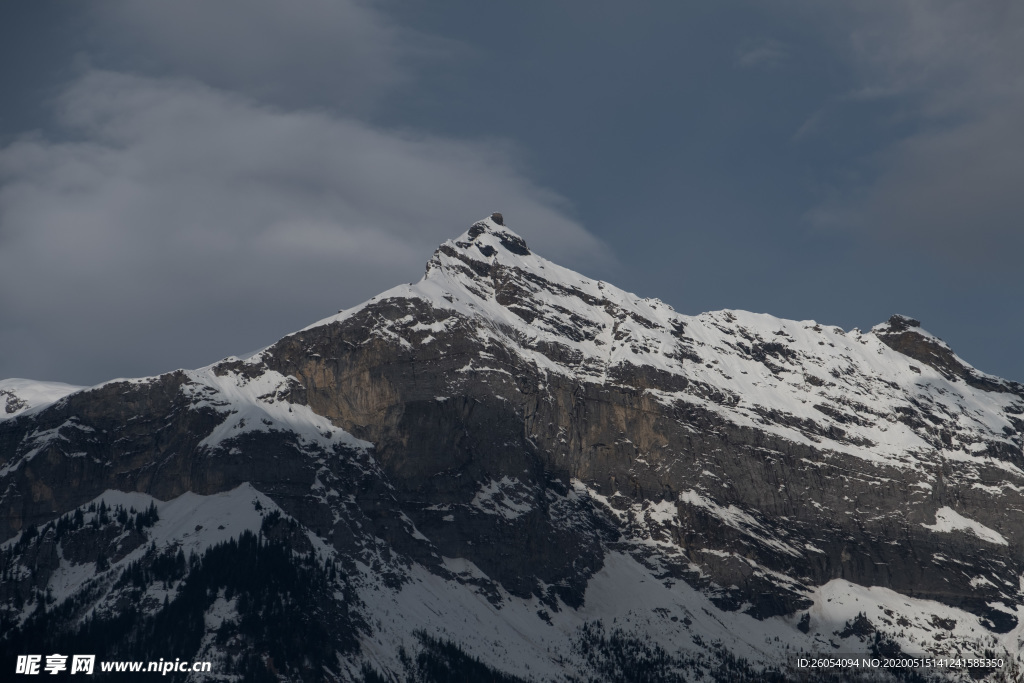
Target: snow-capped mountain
509,470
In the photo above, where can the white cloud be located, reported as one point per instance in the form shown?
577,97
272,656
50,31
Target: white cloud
766,53
187,223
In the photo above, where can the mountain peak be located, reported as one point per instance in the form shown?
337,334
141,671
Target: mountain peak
470,260
904,327
899,323
490,234
905,335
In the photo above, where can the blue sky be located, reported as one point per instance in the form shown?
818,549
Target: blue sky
184,181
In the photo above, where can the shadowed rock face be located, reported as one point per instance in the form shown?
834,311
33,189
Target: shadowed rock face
530,420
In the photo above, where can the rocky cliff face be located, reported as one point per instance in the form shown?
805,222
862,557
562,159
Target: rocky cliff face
547,474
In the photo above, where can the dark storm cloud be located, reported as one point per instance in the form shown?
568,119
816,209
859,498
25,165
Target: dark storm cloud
951,71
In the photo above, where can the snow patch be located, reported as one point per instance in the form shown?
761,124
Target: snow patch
947,520
507,498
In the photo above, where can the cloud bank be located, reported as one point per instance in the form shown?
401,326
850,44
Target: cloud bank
344,54
178,221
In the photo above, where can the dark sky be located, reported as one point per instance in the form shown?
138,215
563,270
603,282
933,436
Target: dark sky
184,181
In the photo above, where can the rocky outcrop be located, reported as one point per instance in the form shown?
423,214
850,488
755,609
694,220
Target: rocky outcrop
904,334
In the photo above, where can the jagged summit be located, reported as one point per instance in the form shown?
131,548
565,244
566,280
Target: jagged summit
488,242
905,335
491,234
898,323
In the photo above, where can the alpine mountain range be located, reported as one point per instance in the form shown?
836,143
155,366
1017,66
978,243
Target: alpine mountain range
511,472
